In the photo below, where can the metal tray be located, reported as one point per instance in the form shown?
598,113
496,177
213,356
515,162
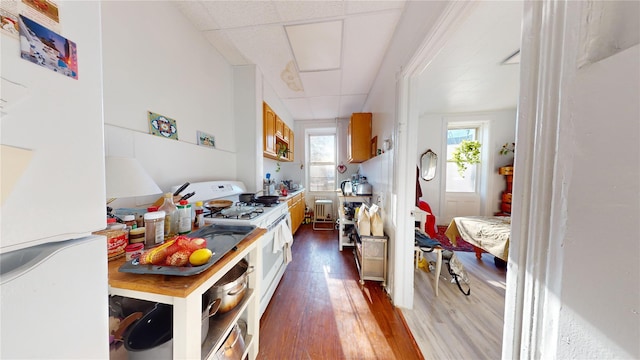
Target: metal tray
220,240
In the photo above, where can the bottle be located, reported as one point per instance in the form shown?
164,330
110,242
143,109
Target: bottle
184,217
198,219
171,216
130,221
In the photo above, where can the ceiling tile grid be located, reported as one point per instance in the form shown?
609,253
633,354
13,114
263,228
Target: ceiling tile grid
252,32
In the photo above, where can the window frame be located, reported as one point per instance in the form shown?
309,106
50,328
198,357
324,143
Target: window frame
321,132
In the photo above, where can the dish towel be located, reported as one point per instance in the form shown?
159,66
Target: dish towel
282,238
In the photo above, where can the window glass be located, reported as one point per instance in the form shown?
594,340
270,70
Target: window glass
322,162
455,181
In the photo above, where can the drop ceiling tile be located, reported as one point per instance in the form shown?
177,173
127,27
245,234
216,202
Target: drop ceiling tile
325,107
321,83
293,11
367,38
356,7
300,109
235,14
221,42
197,14
350,104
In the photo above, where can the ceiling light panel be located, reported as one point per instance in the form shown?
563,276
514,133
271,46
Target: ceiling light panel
316,46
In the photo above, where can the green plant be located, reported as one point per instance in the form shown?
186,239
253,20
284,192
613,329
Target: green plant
282,150
467,153
508,148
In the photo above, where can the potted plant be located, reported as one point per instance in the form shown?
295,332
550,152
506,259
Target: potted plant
467,153
508,148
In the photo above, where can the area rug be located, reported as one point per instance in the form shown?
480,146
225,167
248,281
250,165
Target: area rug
444,240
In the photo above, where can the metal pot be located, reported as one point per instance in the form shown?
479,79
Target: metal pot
364,189
246,198
231,288
233,347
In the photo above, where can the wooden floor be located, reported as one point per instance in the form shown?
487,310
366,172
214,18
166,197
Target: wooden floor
454,326
319,310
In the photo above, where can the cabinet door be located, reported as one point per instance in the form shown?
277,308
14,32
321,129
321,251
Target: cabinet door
285,132
269,131
279,127
359,138
290,155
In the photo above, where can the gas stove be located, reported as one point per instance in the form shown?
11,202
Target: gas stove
240,213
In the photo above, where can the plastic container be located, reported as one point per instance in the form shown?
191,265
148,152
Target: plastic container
184,217
171,216
154,228
133,251
198,219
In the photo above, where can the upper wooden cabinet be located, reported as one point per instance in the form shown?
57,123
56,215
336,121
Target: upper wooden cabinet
276,136
359,138
269,131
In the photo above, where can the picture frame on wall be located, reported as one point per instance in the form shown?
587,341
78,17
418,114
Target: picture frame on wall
160,125
205,139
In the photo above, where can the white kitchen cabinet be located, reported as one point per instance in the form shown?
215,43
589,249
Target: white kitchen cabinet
185,294
347,222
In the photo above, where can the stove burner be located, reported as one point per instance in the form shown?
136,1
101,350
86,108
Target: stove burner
241,216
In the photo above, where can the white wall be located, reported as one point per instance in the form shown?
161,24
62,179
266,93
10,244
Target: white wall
599,149
417,20
432,135
154,60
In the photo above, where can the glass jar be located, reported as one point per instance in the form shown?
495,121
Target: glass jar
154,228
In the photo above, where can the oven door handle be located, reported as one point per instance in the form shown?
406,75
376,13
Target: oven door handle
277,222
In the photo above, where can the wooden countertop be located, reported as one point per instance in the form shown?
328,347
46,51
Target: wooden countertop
177,286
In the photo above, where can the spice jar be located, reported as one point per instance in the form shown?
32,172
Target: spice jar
130,221
154,228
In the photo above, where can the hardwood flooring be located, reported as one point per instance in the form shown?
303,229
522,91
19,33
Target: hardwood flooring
454,326
320,311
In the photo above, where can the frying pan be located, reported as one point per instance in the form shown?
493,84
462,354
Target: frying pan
267,199
217,205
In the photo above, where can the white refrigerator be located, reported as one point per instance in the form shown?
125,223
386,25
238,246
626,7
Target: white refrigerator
53,272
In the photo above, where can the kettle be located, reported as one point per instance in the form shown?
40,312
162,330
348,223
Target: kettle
363,187
347,187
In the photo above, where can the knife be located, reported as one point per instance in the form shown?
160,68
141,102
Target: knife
188,195
181,188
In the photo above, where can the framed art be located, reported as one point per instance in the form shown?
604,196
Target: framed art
162,126
205,139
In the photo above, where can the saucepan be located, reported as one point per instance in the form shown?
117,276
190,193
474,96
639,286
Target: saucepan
231,288
247,198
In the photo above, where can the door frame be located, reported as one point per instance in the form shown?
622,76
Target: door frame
534,269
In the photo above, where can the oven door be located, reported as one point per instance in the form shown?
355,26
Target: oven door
273,263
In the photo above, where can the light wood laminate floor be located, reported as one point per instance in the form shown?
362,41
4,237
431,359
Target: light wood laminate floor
454,326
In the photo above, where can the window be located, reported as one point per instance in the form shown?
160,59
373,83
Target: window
456,182
322,162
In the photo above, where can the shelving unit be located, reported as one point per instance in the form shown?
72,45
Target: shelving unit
185,294
371,257
347,223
